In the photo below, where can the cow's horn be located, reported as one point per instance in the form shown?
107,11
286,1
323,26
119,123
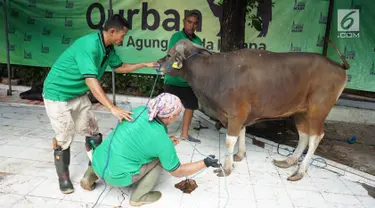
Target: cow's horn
203,48
180,50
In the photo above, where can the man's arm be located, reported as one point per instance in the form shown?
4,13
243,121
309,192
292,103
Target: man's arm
99,94
188,169
126,68
191,168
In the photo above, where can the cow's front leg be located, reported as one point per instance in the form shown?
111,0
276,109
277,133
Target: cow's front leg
230,141
241,146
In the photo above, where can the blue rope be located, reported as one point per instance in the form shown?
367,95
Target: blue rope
111,139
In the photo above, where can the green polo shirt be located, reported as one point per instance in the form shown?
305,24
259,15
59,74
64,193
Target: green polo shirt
180,35
131,146
86,57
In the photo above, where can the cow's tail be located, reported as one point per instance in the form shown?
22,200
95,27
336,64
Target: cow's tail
346,66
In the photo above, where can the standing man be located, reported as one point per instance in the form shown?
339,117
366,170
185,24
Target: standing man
177,85
76,71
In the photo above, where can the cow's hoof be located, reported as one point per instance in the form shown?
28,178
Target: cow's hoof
238,158
282,163
221,174
296,176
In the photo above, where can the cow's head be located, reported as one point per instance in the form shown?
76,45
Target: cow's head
173,62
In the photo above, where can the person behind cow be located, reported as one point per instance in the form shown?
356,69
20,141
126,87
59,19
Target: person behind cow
78,70
177,85
136,152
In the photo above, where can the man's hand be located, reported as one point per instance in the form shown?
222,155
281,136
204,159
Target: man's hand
151,64
121,114
211,161
175,140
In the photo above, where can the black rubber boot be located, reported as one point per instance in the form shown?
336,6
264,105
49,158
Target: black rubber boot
89,178
62,161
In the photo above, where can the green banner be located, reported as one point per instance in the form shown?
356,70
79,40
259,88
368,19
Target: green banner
40,30
293,25
353,30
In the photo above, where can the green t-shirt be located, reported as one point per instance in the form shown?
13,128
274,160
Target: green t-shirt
178,81
134,144
86,57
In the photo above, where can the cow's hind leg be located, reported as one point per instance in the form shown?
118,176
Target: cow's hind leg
241,146
302,125
316,133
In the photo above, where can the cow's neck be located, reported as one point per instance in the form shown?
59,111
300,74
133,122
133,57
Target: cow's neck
192,71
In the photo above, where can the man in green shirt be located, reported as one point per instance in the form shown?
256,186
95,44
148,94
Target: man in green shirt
135,152
76,71
177,85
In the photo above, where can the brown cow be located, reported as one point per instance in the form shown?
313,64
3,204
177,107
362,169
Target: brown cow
247,86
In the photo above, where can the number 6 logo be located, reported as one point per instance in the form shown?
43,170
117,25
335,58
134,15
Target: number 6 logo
348,20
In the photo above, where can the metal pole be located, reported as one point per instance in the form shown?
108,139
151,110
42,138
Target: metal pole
9,92
113,71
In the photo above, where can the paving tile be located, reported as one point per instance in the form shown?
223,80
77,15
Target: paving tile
14,165
234,203
14,130
356,188
81,195
25,141
306,198
36,202
331,185
73,204
367,201
42,169
19,184
272,196
305,184
48,188
342,199
117,197
266,179
8,200
37,154
10,150
42,133
200,201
